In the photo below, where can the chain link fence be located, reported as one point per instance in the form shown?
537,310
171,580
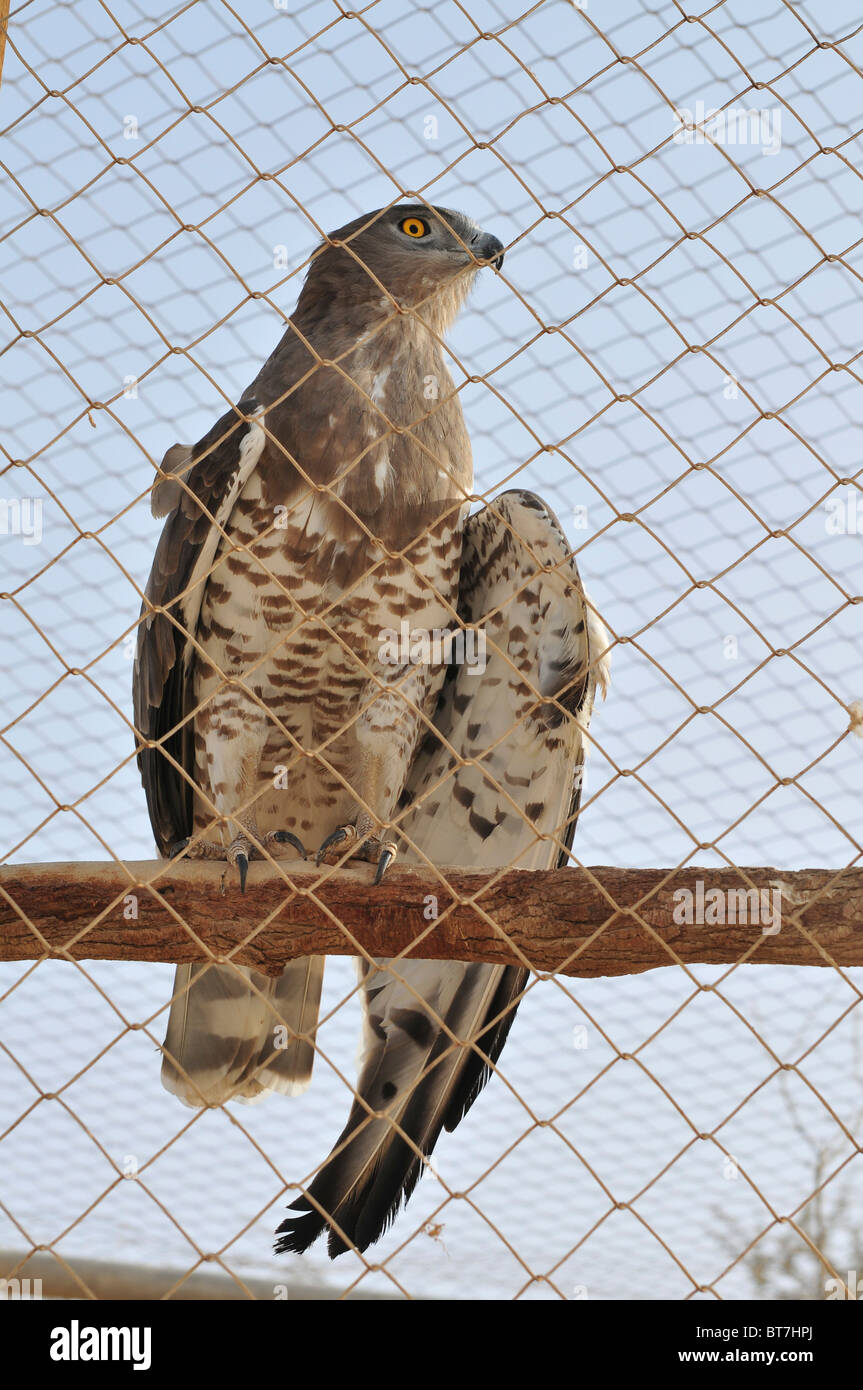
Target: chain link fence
670,356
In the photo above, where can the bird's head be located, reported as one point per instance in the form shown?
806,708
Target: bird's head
422,257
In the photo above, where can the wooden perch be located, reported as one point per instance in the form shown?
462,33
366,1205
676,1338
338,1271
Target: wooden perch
586,922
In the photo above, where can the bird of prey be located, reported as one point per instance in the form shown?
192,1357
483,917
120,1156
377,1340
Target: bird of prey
326,506
496,785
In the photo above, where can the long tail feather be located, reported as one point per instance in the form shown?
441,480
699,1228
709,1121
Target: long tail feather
416,1080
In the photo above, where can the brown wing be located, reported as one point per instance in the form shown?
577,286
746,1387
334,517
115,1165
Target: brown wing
213,473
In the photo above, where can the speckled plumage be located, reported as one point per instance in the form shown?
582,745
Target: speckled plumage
327,507
498,786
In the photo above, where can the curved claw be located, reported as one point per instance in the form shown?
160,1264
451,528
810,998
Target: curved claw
284,837
242,863
174,850
338,837
387,855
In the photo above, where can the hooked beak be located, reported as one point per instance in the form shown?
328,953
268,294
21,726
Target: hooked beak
488,250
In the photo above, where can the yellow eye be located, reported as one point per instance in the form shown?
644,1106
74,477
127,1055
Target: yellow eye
414,226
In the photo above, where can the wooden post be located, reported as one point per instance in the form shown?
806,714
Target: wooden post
584,922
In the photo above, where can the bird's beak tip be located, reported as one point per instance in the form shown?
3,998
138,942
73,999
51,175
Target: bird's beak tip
495,252
489,251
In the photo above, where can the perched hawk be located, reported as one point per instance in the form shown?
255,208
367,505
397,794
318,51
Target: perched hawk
327,506
328,509
433,1029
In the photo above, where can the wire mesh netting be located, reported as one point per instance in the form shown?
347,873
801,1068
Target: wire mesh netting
668,356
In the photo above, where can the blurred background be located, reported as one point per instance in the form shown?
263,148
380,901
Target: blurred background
670,357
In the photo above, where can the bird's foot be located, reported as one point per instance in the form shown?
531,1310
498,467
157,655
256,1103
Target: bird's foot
238,853
197,849
275,838
240,850
372,849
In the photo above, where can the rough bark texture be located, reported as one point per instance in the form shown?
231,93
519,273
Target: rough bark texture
586,922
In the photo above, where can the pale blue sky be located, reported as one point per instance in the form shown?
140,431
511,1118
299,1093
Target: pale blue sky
701,254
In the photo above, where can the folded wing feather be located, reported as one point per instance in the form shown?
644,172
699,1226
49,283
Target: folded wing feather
434,1029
